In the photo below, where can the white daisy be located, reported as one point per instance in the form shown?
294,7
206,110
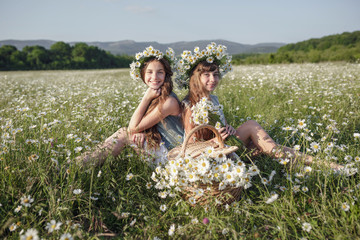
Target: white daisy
12,227
305,189
307,169
306,227
163,208
192,200
254,170
52,226
272,198
171,230
77,191
209,151
30,234
315,146
66,236
301,124
26,201
18,208
345,206
129,176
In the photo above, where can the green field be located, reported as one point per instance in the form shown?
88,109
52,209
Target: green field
48,118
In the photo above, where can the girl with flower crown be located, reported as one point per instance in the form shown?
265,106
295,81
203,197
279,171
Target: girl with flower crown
156,124
200,73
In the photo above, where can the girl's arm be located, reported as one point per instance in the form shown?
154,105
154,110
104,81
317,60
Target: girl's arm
149,95
187,126
227,130
139,123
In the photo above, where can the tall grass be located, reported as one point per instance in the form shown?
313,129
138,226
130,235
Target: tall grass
48,118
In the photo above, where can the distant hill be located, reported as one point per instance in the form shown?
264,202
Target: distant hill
345,39
337,47
130,47
20,44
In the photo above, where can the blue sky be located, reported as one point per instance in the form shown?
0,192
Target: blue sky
167,21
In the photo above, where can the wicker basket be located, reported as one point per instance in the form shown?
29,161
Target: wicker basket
211,191
197,148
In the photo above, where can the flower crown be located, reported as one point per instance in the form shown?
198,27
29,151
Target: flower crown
147,54
212,54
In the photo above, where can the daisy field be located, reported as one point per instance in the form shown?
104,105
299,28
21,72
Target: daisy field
48,118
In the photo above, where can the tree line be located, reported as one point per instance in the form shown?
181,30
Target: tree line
60,56
339,47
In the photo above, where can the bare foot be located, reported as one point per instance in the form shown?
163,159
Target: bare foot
335,166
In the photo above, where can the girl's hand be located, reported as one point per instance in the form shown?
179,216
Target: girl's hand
231,130
226,131
150,93
223,133
138,139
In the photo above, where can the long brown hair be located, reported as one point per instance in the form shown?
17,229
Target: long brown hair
152,134
198,91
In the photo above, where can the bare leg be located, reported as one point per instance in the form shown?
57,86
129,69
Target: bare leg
112,145
252,134
254,151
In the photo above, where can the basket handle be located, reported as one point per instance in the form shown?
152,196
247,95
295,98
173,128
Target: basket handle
197,128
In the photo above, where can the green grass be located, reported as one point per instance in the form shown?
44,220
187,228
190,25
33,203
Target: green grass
53,116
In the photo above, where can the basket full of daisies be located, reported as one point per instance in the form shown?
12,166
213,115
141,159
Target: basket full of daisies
203,173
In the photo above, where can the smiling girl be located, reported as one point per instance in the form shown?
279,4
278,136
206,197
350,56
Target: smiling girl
200,73
155,126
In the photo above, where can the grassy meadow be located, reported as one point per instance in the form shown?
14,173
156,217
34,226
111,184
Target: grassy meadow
48,118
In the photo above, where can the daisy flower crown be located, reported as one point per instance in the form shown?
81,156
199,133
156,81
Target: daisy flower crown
212,54
144,56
